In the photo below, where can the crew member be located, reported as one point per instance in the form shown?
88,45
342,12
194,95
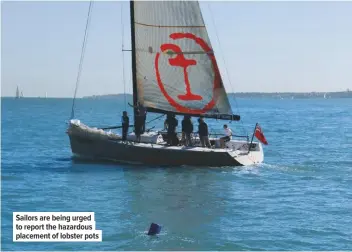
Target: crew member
170,124
125,125
138,124
227,136
142,113
203,132
187,130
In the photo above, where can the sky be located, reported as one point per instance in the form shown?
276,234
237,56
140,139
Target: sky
264,46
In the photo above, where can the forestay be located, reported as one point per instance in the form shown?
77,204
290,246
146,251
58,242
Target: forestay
176,70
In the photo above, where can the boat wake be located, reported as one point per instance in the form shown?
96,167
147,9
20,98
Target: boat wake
287,168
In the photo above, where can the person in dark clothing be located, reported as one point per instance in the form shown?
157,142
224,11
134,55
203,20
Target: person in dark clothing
142,113
171,124
203,133
187,130
125,125
138,126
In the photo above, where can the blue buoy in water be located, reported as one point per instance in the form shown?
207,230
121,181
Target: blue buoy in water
154,229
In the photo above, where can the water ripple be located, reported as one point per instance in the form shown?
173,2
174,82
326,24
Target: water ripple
298,199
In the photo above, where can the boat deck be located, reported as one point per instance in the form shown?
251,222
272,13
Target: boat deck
242,146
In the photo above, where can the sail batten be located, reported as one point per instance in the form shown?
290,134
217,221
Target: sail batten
213,116
170,26
176,69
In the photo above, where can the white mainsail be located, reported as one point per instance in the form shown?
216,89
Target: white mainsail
175,65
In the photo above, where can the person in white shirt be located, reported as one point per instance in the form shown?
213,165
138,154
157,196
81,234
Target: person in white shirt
227,136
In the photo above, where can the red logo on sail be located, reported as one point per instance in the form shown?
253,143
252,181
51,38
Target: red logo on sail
180,61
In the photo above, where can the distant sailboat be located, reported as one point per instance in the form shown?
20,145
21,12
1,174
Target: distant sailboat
174,72
17,93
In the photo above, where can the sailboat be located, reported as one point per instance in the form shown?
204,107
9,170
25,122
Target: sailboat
17,93
174,71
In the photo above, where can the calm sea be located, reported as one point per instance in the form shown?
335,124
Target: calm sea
299,199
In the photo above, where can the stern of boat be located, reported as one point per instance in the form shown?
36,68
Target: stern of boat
241,155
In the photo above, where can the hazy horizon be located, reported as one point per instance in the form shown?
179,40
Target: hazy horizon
130,94
268,47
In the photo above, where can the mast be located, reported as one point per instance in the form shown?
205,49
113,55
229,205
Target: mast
134,71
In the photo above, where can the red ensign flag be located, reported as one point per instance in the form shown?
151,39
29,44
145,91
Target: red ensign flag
259,135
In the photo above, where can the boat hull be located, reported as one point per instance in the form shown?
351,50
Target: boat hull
101,147
141,154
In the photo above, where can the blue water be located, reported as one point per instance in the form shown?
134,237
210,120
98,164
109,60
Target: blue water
299,199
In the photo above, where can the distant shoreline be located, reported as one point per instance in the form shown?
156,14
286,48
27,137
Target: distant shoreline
276,95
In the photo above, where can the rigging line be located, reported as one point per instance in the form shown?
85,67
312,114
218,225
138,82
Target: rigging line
123,58
113,127
227,72
82,57
155,119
